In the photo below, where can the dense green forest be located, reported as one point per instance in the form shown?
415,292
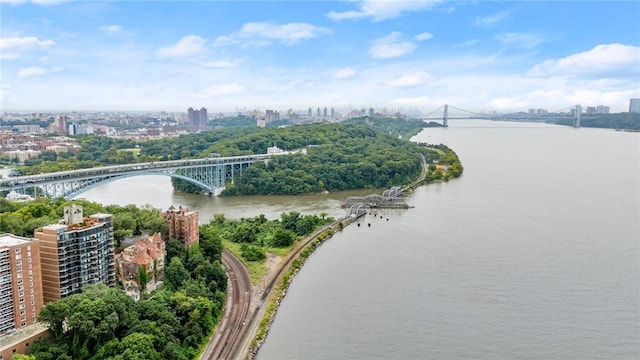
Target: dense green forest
101,150
360,153
339,157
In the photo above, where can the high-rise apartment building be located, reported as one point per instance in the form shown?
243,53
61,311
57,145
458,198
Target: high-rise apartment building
75,252
20,282
183,225
634,105
197,118
61,124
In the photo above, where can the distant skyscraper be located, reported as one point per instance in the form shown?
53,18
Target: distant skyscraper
318,112
333,113
325,112
203,119
371,112
634,105
61,124
310,112
197,118
190,116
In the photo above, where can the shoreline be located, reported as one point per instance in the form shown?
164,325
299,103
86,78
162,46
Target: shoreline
276,291
271,297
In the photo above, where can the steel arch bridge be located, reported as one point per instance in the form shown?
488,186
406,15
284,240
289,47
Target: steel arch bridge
210,174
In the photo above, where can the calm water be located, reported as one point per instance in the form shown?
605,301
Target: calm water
532,254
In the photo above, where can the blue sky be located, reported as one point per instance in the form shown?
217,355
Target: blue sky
227,55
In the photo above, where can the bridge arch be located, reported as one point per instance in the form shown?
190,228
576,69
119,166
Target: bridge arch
210,174
101,181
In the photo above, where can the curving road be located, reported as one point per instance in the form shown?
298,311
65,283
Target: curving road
224,344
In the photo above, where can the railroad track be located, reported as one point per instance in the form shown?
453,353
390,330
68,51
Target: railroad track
232,328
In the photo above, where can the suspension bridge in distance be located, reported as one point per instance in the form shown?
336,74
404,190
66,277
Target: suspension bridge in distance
444,114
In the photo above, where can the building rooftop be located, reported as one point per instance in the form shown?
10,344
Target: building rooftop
13,338
13,240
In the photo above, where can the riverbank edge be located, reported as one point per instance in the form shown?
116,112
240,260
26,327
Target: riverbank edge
289,271
294,263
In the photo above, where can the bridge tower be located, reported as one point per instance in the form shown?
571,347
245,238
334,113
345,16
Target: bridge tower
445,118
576,116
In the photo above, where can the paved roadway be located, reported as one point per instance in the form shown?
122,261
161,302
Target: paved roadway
228,336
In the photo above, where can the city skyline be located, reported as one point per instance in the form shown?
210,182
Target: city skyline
481,56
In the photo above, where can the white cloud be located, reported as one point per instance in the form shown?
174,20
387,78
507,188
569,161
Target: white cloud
188,45
391,46
423,36
219,64
220,90
344,74
34,71
491,19
602,58
111,28
263,33
411,80
381,10
24,43
12,47
519,40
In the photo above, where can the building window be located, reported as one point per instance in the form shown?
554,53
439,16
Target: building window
18,250
19,276
21,301
29,260
19,262
24,324
18,257
19,269
21,294
20,282
20,288
22,312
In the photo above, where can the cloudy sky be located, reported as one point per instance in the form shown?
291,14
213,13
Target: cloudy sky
227,55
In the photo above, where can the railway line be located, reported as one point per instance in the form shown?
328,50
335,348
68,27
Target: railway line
229,335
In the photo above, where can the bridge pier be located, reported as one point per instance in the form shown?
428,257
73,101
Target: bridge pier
576,116
445,118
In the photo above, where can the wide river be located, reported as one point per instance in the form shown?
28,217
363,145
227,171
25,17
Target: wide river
532,254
